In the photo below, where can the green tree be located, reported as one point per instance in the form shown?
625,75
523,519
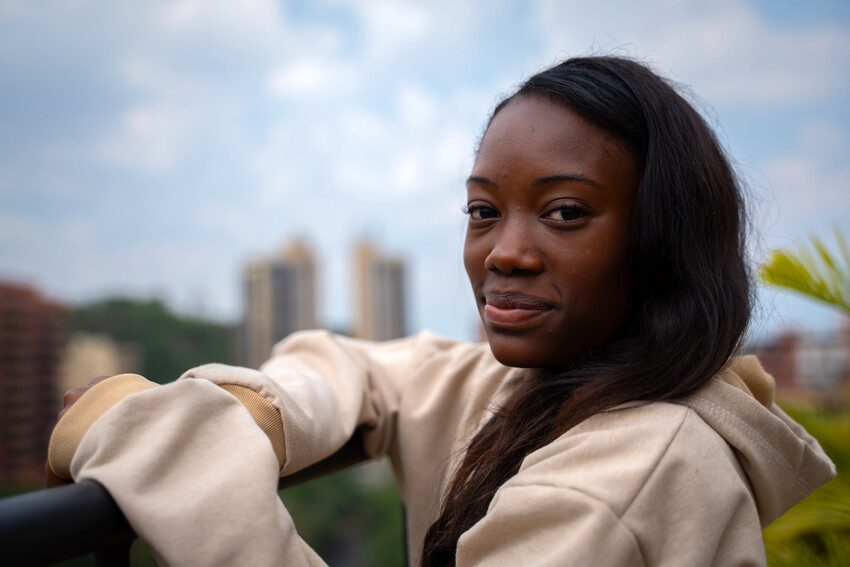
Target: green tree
169,344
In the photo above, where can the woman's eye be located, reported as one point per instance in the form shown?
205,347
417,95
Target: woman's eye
565,214
481,212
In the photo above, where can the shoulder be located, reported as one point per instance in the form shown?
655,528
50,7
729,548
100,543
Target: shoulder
646,484
666,476
616,456
612,455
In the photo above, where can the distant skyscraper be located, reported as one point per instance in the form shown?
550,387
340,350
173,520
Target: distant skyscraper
280,298
379,294
32,337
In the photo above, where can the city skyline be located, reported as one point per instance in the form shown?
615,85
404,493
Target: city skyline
280,296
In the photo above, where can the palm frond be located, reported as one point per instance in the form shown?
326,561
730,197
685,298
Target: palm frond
813,271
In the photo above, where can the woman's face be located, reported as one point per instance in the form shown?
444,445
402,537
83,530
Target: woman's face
547,244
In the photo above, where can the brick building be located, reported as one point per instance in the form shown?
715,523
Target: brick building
32,337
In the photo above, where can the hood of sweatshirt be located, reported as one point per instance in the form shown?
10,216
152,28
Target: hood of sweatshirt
783,462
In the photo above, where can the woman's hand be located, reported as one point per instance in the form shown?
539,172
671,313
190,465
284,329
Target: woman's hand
69,399
71,396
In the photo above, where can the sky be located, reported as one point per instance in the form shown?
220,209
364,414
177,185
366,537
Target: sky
153,148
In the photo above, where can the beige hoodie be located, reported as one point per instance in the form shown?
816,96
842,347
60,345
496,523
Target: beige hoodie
194,464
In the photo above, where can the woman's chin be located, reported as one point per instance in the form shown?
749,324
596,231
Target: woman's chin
531,350
512,351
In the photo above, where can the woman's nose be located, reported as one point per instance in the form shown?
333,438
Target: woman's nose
513,251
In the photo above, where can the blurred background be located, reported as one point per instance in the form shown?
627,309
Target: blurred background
185,181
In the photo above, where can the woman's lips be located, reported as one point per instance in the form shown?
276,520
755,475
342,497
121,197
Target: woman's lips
513,309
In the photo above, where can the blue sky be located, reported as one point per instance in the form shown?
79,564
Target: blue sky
152,148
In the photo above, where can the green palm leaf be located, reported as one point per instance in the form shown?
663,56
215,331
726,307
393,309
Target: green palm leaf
814,271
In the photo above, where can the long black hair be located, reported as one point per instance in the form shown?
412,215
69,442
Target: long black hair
691,297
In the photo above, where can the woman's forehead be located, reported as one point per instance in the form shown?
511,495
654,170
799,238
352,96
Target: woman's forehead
534,136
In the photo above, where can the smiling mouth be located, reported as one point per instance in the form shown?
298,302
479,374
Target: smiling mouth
512,310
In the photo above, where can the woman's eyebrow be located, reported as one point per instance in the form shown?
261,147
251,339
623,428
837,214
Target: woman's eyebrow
571,177
548,180
481,180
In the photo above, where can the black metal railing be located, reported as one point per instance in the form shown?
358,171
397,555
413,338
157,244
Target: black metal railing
51,525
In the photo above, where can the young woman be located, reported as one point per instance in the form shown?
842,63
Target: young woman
603,424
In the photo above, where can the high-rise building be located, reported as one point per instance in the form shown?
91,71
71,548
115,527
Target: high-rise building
379,294
280,298
32,337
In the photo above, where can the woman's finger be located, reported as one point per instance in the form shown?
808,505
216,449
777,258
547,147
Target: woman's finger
100,378
71,396
51,480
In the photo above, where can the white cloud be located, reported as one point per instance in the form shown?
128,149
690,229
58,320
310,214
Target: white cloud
809,192
188,69
150,137
725,49
311,78
416,107
810,183
415,151
452,153
389,26
360,126
221,25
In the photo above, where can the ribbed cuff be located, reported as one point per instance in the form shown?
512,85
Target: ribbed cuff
265,414
83,413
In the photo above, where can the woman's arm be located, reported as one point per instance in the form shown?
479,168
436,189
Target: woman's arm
196,473
326,386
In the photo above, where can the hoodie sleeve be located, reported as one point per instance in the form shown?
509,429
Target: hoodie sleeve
199,456
325,386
